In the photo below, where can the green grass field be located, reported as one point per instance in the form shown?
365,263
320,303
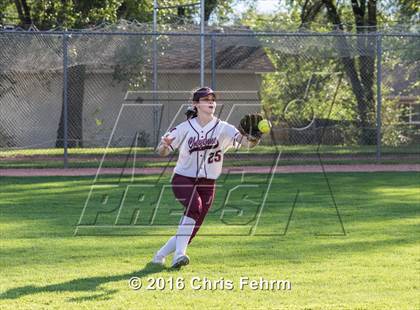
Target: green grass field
373,266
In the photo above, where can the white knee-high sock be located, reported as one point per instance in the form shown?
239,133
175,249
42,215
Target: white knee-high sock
168,248
183,235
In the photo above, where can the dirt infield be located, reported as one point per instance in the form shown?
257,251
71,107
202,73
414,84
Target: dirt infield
234,170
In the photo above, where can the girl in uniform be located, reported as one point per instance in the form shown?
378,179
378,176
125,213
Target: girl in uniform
202,141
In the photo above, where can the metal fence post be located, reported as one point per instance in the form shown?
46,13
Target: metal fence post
155,75
213,62
65,99
378,95
202,42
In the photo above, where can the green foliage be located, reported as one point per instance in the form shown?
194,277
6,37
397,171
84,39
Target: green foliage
71,14
303,87
396,131
8,14
134,9
296,63
215,11
401,11
131,57
82,14
307,76
270,22
401,63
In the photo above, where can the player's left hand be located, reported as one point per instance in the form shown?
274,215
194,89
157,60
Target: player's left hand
248,126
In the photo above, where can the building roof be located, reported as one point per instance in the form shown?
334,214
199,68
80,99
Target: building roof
230,53
43,52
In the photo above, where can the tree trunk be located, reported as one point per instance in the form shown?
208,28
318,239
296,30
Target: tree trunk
27,13
366,23
362,81
75,96
24,13
209,7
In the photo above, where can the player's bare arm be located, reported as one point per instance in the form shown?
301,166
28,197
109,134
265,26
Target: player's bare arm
247,141
164,147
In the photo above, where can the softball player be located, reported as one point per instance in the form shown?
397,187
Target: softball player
202,141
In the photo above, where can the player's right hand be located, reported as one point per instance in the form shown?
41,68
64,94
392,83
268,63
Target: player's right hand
167,141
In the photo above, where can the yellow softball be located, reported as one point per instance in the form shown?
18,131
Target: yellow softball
264,126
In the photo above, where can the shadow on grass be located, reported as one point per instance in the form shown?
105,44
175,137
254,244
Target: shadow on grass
91,284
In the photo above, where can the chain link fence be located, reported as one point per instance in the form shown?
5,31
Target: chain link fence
85,99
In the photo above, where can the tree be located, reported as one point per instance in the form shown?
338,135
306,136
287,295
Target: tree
185,14
186,11
77,14
359,69
295,62
401,11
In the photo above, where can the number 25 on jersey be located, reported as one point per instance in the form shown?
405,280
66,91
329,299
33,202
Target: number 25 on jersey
214,157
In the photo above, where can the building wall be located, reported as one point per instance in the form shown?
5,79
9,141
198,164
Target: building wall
30,109
30,114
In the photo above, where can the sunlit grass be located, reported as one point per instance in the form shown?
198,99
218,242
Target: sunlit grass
372,266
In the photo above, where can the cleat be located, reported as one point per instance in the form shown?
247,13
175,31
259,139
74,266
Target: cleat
179,261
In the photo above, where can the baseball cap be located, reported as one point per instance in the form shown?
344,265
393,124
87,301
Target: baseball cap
202,92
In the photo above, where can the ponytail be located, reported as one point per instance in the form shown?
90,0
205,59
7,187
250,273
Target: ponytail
191,112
